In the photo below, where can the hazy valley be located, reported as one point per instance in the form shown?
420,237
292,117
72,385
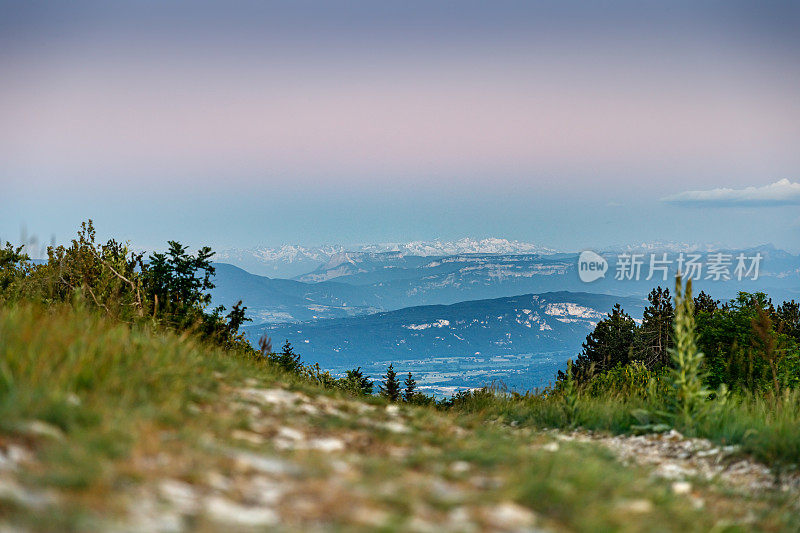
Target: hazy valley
499,314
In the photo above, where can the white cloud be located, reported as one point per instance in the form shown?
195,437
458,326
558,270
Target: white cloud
782,192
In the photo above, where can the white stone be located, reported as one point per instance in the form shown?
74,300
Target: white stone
369,516
267,465
459,467
395,427
419,525
42,429
509,515
328,444
224,510
673,435
145,515
681,487
446,492
674,471
13,491
247,436
640,506
7,528
361,407
265,491
309,409
697,502
73,399
550,447
13,456
273,396
180,495
459,519
291,434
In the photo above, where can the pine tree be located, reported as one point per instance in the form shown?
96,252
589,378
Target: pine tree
411,385
787,317
654,337
391,385
287,359
703,303
610,344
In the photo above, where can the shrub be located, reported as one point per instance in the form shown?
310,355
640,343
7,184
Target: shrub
356,383
286,360
632,379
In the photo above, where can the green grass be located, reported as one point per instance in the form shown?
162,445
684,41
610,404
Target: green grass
105,386
122,395
765,426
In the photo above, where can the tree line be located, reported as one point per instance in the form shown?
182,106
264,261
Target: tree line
749,343
354,380
167,289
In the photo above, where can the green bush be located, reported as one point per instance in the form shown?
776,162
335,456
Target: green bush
169,289
633,379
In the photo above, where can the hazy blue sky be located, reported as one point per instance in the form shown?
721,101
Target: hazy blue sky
570,124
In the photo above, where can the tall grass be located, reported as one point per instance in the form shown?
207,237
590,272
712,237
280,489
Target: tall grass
766,426
689,399
53,355
106,386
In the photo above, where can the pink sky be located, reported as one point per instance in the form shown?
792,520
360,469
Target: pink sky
526,113
550,102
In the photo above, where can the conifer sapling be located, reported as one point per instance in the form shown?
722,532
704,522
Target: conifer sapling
411,385
390,388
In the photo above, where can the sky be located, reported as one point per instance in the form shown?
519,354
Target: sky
235,124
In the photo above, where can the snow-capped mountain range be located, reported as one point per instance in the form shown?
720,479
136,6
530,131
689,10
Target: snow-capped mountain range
666,246
491,245
284,261
292,260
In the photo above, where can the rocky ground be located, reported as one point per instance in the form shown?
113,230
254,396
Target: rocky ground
297,463
312,462
674,457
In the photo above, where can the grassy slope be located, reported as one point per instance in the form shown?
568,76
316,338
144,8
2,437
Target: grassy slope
109,414
765,427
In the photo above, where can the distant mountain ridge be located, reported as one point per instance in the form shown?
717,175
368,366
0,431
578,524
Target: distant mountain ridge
529,323
296,261
285,261
293,260
285,300
466,245
359,283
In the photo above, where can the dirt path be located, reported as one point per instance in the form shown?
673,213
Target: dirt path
681,459
312,462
